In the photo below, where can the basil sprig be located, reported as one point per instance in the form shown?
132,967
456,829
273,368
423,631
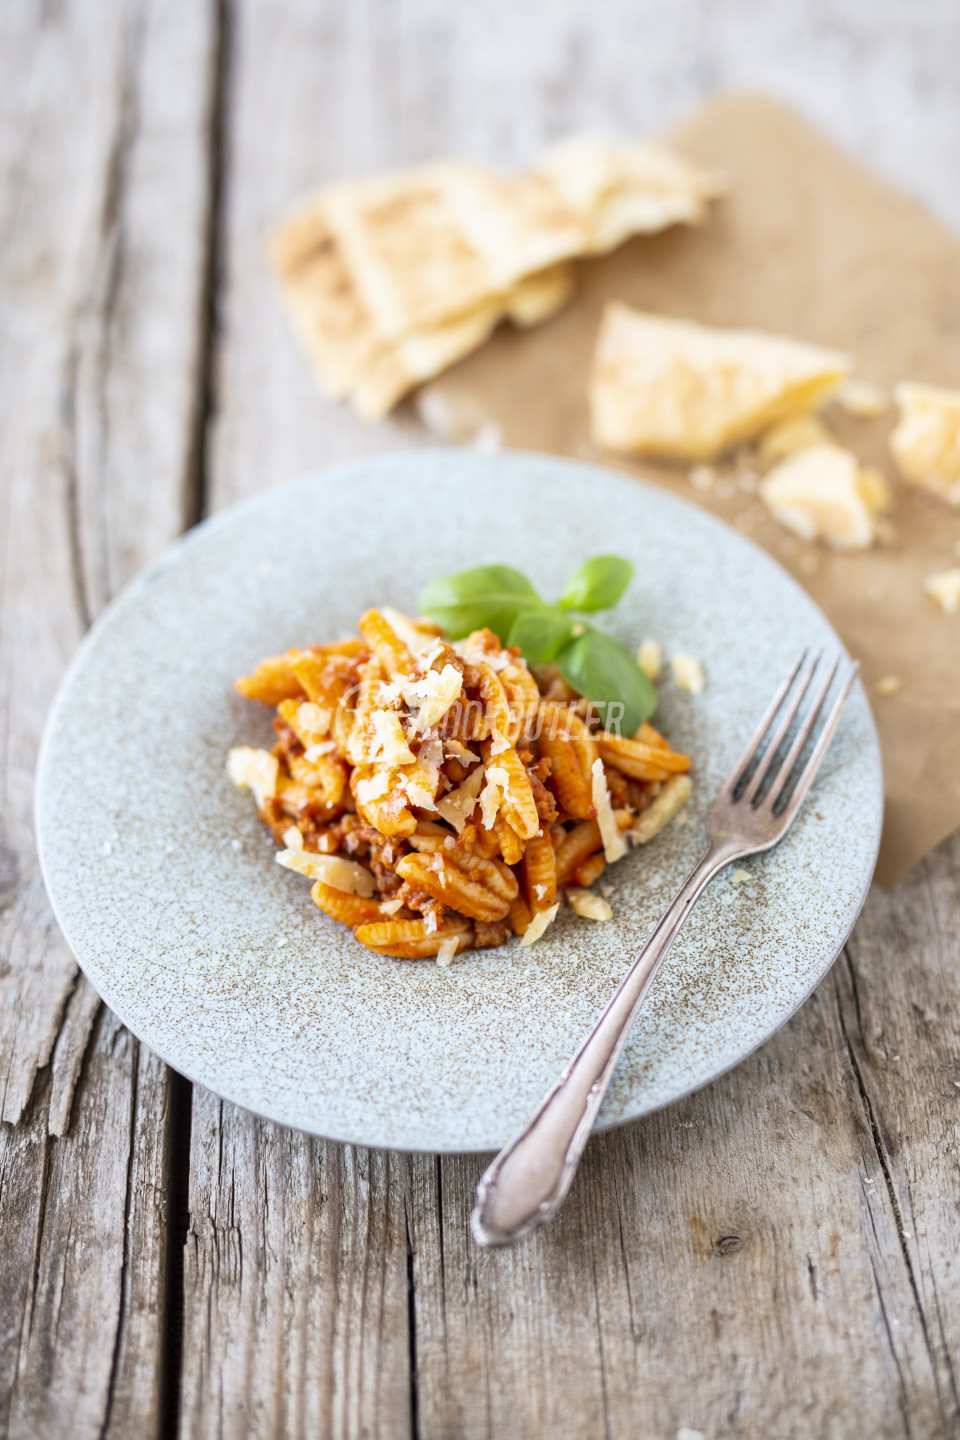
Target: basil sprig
592,663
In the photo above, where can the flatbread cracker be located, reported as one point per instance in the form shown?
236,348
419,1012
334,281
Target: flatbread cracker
684,391
388,280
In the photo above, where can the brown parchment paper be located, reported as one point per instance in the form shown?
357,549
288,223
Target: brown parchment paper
811,245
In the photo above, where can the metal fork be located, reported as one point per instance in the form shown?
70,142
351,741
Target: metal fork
529,1179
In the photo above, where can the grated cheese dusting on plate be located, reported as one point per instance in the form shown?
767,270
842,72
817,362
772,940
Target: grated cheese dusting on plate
538,924
614,845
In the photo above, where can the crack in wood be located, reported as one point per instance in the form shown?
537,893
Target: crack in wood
883,1161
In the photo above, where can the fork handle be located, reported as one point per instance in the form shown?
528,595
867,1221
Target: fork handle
529,1179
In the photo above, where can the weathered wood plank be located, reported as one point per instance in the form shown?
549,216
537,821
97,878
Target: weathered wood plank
295,1284
104,184
732,1266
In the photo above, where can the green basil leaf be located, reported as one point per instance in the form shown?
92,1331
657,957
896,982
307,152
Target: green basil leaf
490,595
598,583
541,633
603,670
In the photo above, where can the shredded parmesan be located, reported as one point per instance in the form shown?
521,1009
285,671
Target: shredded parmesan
312,720
457,807
538,924
498,782
499,742
293,839
670,801
476,655
372,789
614,845
688,673
333,870
944,588
257,769
650,658
448,948
453,750
390,907
390,746
432,695
314,752
584,902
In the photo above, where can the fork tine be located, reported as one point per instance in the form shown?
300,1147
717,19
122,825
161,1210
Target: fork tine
736,774
809,771
768,758
803,735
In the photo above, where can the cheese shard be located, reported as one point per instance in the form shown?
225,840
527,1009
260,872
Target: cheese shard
538,924
926,441
817,494
673,388
257,769
944,588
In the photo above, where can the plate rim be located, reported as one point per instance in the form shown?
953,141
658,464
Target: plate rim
172,553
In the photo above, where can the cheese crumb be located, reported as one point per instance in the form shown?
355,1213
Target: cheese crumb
448,948
817,494
926,442
944,588
498,742
340,874
889,685
390,907
257,769
614,845
650,658
740,877
293,839
538,924
371,789
862,399
584,902
688,673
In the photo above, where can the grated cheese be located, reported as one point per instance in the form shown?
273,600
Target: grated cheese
650,658
457,807
257,769
312,719
688,673
340,874
614,845
584,902
390,907
390,746
448,948
293,839
498,742
432,696
498,782
944,588
372,789
538,924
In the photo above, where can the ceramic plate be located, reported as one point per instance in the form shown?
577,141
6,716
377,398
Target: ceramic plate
163,877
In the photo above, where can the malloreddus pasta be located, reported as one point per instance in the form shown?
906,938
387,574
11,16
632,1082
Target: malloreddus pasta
442,796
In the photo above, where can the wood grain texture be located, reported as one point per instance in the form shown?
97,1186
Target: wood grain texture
774,1257
104,114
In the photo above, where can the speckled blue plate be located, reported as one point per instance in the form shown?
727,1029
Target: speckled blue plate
163,877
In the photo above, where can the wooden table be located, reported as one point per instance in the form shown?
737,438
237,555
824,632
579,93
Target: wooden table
773,1257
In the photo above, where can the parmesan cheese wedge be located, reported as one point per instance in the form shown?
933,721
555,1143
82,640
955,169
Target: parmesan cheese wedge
674,388
926,442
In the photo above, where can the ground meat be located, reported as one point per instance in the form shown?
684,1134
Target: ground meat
542,797
493,934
